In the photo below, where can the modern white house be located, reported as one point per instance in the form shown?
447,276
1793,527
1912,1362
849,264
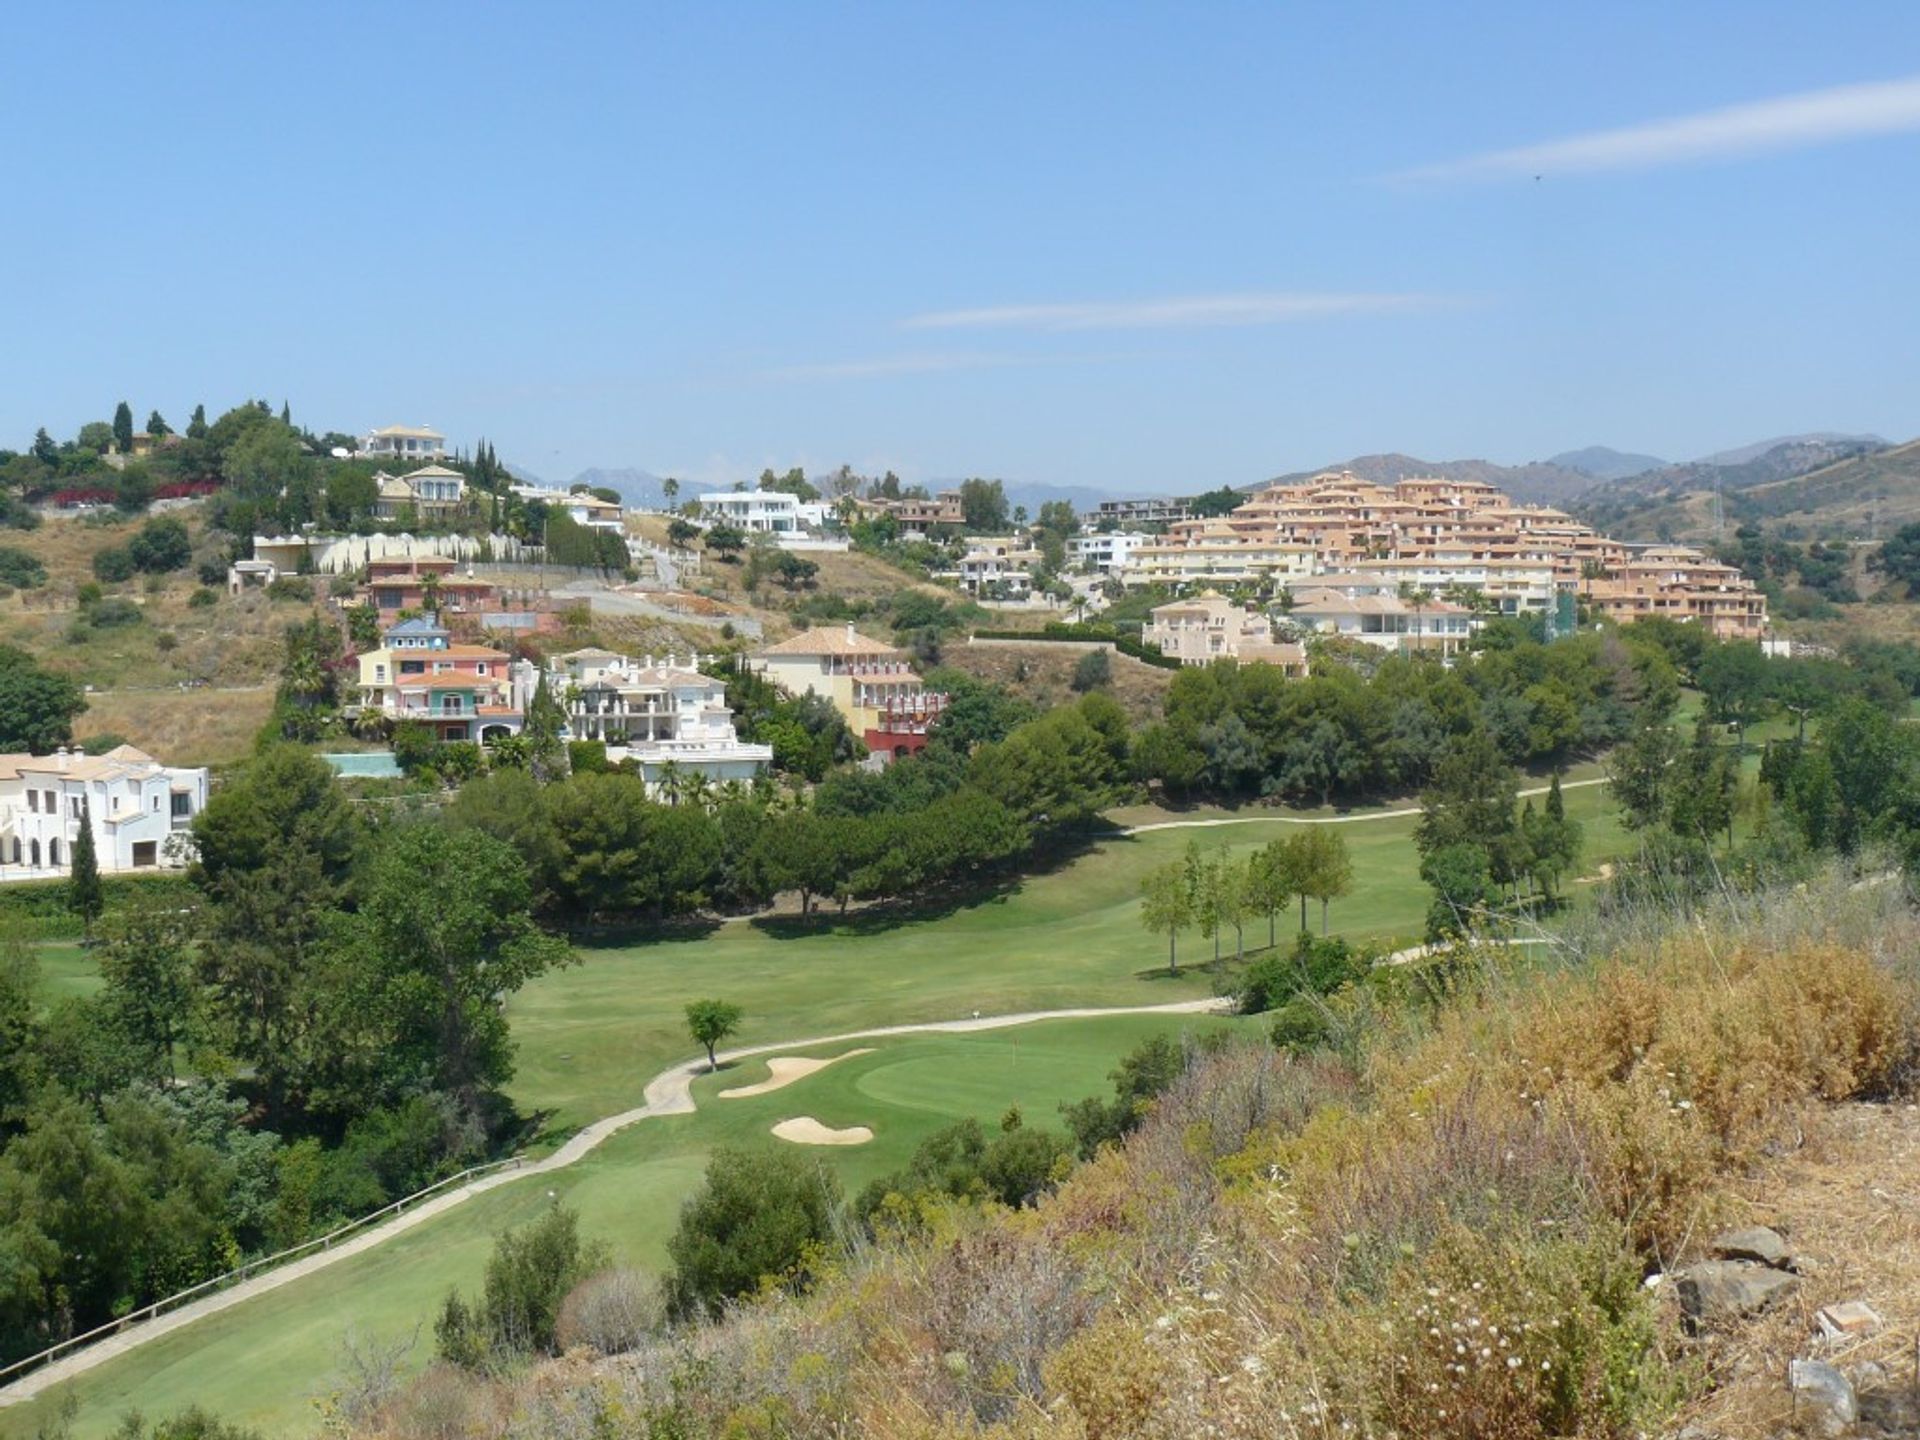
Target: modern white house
666,716
1111,552
404,442
141,812
773,512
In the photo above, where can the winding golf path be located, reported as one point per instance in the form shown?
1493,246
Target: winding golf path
668,1093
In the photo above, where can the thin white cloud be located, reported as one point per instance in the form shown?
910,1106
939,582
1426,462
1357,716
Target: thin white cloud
884,365
1789,122
1178,312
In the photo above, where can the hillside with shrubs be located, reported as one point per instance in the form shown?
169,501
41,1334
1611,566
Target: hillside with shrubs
1469,1206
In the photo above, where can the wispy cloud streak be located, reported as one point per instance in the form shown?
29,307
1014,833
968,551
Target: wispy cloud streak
1190,311
1789,122
885,365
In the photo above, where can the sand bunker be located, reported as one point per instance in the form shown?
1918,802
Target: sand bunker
805,1130
785,1069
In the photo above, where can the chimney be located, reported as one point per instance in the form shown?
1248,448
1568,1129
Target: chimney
849,632
66,760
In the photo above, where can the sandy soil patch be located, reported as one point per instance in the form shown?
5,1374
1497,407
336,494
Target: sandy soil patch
805,1130
1604,874
783,1070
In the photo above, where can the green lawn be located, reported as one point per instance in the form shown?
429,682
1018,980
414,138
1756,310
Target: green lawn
591,1036
66,970
263,1362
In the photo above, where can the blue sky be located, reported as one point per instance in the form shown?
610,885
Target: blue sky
1130,247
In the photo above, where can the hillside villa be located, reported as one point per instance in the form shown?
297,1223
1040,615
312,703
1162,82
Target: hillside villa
667,717
870,684
464,692
432,492
768,512
404,442
1211,627
135,805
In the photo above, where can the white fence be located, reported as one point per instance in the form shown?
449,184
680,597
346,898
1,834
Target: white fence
10,1373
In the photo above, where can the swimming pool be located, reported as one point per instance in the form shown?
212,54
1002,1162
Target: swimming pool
365,765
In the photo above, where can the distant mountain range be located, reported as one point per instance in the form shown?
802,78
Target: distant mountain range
1822,482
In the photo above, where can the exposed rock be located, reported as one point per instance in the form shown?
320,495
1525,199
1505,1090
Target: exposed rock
1752,1242
1719,1290
1849,1317
1822,1396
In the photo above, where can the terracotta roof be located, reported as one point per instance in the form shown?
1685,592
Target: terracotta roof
829,640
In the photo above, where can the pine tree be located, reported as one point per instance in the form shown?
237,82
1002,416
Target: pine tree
123,427
84,895
286,413
44,450
197,426
156,426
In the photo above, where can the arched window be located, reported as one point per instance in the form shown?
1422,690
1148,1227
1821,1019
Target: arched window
35,851
53,853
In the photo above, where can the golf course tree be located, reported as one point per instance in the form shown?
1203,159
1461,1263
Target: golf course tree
85,897
1166,906
711,1021
757,1218
421,971
277,849
1325,868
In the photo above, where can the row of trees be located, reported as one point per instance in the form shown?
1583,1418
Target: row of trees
1215,893
1234,730
597,846
1480,851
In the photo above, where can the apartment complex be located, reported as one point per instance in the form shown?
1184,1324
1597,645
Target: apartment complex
1155,511
1108,552
871,685
665,716
1463,541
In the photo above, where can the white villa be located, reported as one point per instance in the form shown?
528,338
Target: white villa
772,512
432,492
1000,565
135,805
665,716
404,442
580,506
1384,619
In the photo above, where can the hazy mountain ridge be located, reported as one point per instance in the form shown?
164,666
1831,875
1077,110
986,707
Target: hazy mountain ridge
1603,462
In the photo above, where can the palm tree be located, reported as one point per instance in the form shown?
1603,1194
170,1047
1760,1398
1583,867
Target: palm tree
671,781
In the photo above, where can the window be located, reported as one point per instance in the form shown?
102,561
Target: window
33,801
182,804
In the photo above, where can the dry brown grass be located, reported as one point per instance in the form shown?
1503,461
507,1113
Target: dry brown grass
1042,674
1847,1201
182,727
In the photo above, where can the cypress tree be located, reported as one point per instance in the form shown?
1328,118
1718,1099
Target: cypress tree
123,427
84,895
156,426
286,413
197,426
